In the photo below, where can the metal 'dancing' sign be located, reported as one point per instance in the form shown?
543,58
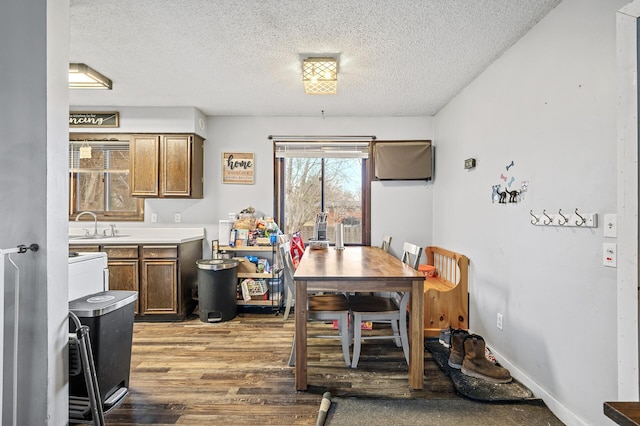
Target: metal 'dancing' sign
94,119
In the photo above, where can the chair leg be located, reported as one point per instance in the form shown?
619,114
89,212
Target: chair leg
396,332
344,338
292,357
357,339
404,337
288,305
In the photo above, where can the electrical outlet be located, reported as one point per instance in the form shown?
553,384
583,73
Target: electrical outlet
178,218
154,217
609,254
499,321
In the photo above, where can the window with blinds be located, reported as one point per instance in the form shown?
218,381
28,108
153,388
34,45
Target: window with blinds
98,156
321,149
99,180
323,174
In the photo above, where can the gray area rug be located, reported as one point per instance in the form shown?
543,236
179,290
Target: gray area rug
474,388
437,412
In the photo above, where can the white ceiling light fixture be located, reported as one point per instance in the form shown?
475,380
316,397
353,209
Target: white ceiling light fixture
82,76
320,76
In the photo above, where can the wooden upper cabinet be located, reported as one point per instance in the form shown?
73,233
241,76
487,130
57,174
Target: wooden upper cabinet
168,166
144,154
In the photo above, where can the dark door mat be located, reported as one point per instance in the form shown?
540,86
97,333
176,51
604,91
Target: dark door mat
478,389
436,412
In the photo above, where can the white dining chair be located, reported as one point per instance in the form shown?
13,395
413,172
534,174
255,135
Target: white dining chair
379,309
320,307
386,242
411,254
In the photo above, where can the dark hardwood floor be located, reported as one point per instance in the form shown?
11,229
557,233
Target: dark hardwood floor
236,373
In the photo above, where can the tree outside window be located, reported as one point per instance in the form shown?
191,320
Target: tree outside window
330,185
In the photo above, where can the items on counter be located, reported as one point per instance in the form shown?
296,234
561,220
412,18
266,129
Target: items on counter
246,230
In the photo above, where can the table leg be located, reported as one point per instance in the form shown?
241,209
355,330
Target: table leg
301,335
416,353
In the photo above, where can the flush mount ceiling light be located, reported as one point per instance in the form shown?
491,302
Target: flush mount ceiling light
82,76
320,76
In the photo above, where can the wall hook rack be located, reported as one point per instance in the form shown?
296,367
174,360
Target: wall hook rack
582,219
563,220
534,219
571,220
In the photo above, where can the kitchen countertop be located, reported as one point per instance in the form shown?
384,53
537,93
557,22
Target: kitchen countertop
137,235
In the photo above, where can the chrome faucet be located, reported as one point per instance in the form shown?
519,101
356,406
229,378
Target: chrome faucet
95,221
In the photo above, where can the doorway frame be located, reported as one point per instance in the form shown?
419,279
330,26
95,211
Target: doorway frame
627,201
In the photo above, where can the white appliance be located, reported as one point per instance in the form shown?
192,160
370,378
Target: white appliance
88,274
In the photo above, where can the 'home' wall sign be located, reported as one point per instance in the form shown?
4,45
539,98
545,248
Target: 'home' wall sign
238,167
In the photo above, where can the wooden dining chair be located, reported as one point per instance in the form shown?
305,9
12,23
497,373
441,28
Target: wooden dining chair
321,307
378,309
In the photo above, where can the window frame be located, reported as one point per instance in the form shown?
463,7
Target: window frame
115,216
278,191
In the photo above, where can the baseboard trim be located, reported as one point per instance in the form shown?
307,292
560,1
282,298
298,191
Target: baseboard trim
567,416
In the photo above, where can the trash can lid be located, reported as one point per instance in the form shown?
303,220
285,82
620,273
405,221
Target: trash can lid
98,304
216,264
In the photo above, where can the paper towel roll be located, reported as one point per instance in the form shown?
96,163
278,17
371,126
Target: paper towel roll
339,236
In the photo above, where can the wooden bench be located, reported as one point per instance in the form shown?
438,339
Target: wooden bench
446,296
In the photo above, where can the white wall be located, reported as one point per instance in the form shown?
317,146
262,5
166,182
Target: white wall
34,40
150,120
401,209
549,105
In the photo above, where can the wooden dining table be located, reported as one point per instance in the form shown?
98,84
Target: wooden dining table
358,269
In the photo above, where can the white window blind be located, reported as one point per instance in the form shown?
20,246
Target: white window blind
99,156
330,147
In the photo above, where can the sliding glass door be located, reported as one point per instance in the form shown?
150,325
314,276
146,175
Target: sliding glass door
310,181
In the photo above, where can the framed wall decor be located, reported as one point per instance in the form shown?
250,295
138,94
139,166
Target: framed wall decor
94,119
238,167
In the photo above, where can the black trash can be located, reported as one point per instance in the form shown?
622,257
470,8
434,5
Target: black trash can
217,281
109,316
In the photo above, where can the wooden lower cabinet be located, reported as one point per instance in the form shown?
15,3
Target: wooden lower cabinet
122,262
159,287
123,275
163,275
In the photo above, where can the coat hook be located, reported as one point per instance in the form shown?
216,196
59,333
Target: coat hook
534,219
564,219
584,220
544,212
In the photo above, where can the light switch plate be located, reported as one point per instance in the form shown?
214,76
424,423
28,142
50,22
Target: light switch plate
611,225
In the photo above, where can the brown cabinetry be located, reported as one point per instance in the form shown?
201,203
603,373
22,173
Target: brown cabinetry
164,275
159,275
169,166
122,262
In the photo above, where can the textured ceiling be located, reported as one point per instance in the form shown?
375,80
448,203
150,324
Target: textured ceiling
241,57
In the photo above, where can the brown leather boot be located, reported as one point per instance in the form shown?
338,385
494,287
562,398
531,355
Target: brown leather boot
457,348
476,364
